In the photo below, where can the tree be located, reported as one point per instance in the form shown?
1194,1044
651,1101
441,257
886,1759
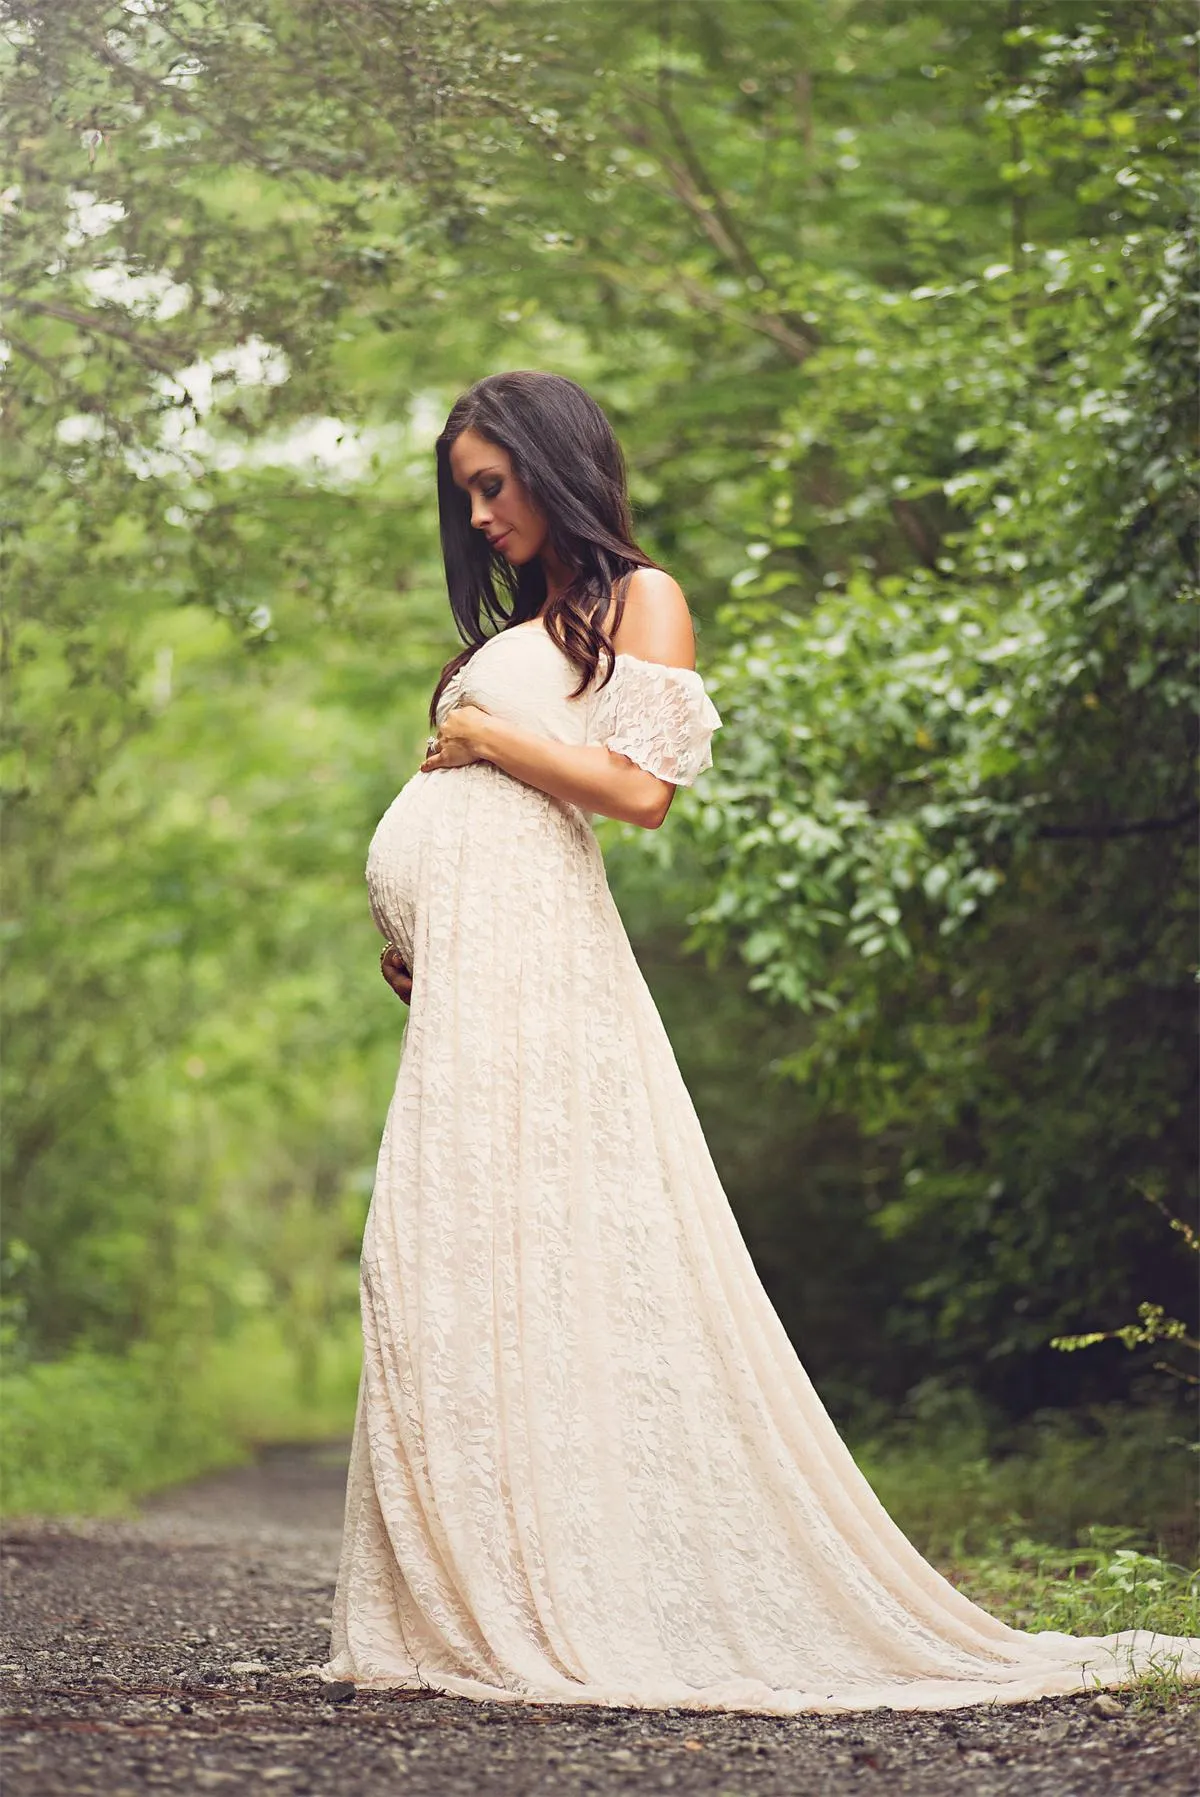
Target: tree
952,818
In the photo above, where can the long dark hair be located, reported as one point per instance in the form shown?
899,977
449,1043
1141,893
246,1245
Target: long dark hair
564,452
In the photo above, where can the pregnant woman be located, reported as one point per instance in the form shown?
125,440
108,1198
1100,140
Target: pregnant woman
588,1466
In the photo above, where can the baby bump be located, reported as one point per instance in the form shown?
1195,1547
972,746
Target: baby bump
393,865
467,834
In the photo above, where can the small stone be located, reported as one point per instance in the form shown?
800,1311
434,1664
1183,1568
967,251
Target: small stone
1054,1732
340,1691
1109,1708
249,1666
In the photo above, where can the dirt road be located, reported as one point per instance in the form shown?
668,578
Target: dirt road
145,1656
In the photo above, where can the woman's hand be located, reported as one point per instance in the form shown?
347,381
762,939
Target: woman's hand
396,973
459,739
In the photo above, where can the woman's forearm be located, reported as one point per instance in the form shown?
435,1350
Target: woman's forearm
584,774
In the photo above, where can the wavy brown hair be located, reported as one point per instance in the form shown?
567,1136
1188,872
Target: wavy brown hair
565,454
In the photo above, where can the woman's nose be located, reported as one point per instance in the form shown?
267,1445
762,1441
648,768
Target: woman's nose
481,514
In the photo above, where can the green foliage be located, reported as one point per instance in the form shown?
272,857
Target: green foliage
890,308
966,1485
1082,1521
1153,1324
1097,1588
952,818
90,1434
897,744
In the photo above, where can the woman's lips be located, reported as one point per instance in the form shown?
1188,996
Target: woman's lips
495,542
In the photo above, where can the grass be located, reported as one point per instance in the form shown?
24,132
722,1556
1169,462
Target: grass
1083,1523
1098,1588
961,1487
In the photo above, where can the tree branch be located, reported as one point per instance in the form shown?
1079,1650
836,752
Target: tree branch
1137,827
701,196
154,355
923,540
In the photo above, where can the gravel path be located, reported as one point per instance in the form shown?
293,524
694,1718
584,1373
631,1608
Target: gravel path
142,1656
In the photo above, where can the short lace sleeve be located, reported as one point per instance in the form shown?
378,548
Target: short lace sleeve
659,717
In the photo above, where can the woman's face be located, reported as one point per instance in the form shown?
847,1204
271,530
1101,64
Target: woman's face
500,504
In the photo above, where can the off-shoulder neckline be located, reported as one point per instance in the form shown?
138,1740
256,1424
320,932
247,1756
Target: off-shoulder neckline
621,655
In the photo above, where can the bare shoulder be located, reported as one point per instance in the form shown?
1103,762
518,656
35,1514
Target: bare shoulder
656,624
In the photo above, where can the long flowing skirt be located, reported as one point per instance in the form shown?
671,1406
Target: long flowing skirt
588,1466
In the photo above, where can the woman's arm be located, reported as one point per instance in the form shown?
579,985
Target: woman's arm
584,774
656,626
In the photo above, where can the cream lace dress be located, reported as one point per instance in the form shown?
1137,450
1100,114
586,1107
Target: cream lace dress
587,1464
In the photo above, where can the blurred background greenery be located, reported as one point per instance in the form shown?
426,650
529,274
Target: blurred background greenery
890,306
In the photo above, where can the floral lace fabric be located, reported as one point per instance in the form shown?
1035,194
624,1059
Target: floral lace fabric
660,717
588,1466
